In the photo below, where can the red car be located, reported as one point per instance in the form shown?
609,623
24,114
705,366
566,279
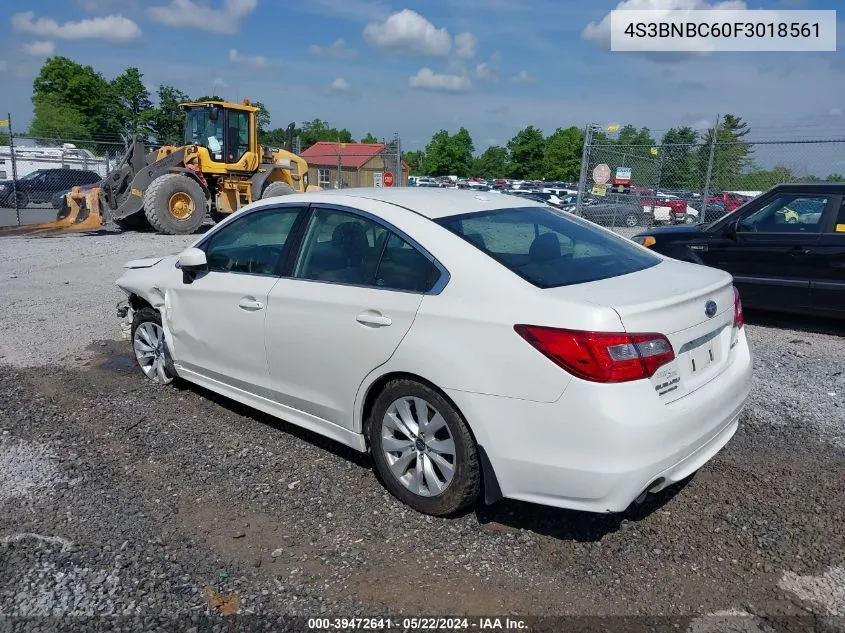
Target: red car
732,201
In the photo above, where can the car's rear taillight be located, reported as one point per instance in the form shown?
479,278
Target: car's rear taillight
739,318
600,356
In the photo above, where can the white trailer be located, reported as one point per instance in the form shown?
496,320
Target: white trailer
31,158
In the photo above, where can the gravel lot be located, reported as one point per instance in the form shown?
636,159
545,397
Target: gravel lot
120,497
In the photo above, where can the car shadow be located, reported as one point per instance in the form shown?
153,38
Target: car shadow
568,525
331,446
800,323
572,525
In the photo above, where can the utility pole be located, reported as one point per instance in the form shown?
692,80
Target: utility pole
14,167
706,192
397,144
585,160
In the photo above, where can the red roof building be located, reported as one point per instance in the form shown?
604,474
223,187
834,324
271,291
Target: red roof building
362,164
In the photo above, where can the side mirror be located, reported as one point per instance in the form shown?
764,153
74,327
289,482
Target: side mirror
731,228
193,260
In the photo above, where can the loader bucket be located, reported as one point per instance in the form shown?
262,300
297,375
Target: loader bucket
81,213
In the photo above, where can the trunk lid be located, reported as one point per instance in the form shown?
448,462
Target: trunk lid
672,299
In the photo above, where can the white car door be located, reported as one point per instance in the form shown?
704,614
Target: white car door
217,318
353,295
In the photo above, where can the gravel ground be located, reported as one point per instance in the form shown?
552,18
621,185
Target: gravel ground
120,497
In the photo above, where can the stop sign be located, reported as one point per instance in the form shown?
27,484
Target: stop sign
388,179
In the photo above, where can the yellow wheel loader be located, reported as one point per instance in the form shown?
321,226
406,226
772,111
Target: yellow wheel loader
219,168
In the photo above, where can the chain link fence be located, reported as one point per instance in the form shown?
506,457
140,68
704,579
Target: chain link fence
647,185
36,173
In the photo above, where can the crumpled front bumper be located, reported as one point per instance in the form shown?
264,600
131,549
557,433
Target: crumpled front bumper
125,313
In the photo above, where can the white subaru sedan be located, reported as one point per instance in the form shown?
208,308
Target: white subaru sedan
478,346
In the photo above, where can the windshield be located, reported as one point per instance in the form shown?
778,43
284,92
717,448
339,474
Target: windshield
547,248
33,175
200,129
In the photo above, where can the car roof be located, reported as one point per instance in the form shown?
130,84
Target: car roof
428,202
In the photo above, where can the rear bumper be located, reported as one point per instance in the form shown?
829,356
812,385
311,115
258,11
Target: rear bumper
600,446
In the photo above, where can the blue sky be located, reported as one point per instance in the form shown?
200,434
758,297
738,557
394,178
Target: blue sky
414,67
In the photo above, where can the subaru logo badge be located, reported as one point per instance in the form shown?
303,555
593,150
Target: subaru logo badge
710,309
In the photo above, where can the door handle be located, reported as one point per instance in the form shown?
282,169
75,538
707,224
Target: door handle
797,250
374,319
250,305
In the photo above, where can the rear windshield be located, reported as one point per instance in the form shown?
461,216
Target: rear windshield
548,248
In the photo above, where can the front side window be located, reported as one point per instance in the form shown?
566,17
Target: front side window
787,213
255,244
340,247
549,249
839,224
201,129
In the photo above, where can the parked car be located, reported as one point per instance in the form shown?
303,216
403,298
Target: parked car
785,249
627,213
40,186
731,200
470,342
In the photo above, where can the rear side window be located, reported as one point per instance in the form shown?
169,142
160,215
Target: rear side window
403,267
549,249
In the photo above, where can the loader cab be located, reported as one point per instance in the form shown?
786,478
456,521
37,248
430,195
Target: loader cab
226,130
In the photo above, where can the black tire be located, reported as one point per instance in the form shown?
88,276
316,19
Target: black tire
631,220
157,200
464,488
19,200
275,189
151,315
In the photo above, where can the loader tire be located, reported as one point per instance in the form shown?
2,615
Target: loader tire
277,189
175,204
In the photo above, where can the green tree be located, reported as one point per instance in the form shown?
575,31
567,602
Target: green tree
209,98
492,163
69,86
319,130
526,153
263,118
732,156
562,154
679,169
58,122
167,119
449,155
134,108
4,138
415,161
835,178
369,138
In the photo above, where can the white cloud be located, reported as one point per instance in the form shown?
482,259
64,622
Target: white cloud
466,45
219,82
200,15
3,65
409,33
337,50
835,112
40,48
256,61
427,79
523,78
489,71
599,32
112,28
340,85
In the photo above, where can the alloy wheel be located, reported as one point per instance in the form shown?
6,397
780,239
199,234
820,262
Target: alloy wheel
151,351
418,446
